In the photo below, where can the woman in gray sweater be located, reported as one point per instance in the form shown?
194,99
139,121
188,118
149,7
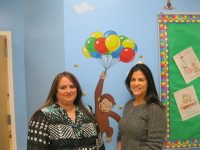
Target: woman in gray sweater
143,124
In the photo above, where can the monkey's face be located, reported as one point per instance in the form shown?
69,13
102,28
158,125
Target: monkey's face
105,105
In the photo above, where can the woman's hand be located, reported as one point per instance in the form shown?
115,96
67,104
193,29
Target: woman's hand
119,146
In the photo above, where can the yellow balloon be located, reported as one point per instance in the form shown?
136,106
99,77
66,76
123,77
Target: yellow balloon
86,52
96,34
128,43
112,42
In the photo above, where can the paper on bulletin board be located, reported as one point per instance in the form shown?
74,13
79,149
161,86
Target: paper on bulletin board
187,102
188,64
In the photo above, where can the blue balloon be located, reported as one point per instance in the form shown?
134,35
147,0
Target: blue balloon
135,48
95,54
109,33
116,53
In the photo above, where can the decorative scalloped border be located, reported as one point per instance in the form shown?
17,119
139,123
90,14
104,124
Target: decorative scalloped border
163,20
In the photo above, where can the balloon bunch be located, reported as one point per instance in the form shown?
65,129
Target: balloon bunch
109,48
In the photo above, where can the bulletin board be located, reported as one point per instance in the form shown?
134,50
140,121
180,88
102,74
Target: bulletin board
177,32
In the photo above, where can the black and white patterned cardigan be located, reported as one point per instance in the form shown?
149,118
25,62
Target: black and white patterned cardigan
51,129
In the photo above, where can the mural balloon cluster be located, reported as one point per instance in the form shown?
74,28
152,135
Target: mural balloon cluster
109,48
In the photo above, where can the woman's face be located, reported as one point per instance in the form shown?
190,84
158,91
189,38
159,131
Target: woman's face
66,92
138,84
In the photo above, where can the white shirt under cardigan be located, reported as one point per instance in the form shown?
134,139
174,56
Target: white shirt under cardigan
142,127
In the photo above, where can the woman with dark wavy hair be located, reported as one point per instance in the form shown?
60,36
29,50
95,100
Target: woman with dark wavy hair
143,124
64,122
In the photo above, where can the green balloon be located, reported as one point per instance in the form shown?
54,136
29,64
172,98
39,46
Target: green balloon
89,44
122,38
108,53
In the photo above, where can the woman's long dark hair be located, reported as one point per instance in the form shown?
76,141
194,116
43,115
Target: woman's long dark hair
151,95
51,99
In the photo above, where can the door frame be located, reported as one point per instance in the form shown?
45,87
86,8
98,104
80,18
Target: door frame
8,34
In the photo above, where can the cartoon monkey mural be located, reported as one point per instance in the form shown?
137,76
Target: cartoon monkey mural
103,105
169,5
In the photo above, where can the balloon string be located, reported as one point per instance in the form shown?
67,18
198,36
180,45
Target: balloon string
106,70
113,62
107,61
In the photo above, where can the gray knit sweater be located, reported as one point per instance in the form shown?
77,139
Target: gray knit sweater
142,127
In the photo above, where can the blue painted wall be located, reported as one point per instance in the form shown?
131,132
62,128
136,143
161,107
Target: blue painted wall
48,36
44,48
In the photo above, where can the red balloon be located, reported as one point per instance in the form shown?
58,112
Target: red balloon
100,45
127,55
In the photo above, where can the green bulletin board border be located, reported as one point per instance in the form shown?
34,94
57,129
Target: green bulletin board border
163,20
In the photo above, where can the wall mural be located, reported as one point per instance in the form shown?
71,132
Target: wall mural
169,6
108,49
